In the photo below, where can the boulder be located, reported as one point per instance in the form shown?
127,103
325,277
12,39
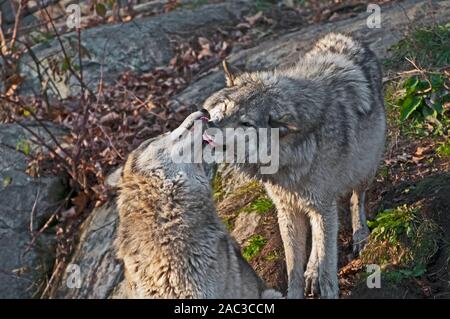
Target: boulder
139,45
99,270
26,204
94,259
396,20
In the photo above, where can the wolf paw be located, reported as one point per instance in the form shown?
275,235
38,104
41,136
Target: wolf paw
360,237
312,281
329,288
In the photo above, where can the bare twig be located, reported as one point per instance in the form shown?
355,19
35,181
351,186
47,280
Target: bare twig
39,121
27,11
42,142
33,211
66,56
38,69
79,61
141,103
49,221
110,142
414,65
36,26
16,26
3,45
58,267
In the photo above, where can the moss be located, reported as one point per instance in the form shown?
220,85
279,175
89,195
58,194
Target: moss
402,241
272,256
218,192
253,247
427,46
261,205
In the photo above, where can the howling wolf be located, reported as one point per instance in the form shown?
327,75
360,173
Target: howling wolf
171,241
329,110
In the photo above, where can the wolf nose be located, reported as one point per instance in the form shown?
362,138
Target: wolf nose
205,113
213,124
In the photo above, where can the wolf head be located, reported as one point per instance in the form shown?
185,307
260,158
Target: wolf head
164,153
252,100
269,100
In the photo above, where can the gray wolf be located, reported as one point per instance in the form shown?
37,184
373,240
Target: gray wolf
171,241
329,110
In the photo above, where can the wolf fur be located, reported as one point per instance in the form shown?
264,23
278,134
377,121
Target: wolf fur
330,114
171,241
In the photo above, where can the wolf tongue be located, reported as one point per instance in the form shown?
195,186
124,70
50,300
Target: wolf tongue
208,139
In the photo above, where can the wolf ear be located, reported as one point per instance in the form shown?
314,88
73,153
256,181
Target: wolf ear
286,123
231,73
112,180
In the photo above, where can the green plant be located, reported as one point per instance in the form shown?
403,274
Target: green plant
383,171
260,205
424,99
396,276
228,221
443,150
218,192
428,46
6,181
253,247
401,238
23,146
272,256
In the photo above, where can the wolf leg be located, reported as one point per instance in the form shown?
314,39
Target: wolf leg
359,223
312,274
293,228
324,226
293,224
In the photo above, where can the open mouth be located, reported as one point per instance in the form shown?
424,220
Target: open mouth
208,139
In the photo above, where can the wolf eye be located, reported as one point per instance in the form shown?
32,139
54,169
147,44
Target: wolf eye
246,124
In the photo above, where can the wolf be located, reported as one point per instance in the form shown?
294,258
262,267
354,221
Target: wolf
171,241
329,111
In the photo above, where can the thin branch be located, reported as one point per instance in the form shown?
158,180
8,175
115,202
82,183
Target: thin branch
38,68
79,61
141,103
2,35
49,221
58,267
42,142
16,26
66,56
39,121
33,211
110,141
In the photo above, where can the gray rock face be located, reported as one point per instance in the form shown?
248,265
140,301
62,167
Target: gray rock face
99,270
23,270
396,20
139,45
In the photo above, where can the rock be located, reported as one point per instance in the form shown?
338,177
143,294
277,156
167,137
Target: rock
139,45
100,272
23,271
245,226
286,49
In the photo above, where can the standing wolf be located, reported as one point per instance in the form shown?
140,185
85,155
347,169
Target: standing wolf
170,238
329,110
